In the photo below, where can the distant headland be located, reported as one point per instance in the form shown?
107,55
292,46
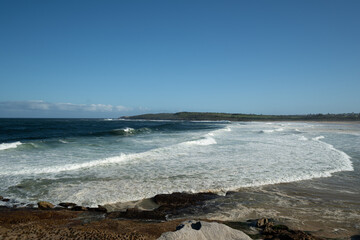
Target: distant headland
211,116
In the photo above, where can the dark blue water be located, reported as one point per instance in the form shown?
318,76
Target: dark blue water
34,129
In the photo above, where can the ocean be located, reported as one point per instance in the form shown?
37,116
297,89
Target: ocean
258,167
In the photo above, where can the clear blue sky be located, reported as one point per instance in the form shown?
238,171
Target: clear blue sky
112,58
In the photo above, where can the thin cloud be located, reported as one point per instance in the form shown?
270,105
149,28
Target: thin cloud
66,107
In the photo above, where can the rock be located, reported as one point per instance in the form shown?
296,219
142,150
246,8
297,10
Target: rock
170,204
283,232
267,230
45,205
98,209
79,208
101,209
279,227
67,204
134,213
182,199
1,198
200,230
262,222
5,199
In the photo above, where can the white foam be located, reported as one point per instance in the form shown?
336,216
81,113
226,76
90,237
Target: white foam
203,142
271,130
194,161
267,131
128,130
111,160
318,138
4,146
69,167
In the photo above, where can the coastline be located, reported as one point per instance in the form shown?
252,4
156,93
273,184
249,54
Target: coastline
240,117
68,221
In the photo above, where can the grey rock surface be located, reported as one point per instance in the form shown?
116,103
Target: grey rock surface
200,230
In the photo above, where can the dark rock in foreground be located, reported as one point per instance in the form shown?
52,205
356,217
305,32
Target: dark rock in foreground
4,199
170,204
98,209
271,231
133,213
45,205
79,208
263,222
67,204
178,199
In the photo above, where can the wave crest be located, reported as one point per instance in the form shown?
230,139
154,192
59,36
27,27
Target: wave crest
128,131
202,142
5,146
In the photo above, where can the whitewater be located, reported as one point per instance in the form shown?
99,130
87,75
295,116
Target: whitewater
97,161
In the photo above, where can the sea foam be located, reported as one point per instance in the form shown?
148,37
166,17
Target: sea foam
228,158
203,141
4,146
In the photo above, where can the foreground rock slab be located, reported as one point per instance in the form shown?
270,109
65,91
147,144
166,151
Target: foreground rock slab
200,230
169,204
81,225
178,199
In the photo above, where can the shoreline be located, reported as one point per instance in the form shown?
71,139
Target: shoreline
69,221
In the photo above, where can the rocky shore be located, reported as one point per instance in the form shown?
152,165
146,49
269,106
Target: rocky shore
70,221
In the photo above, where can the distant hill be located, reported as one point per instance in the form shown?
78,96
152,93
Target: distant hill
244,117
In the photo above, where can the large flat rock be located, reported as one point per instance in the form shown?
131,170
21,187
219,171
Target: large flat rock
200,230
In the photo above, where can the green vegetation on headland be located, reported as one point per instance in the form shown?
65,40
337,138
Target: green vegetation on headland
202,116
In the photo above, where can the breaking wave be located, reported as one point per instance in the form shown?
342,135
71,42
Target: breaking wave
172,158
5,146
203,142
123,131
318,138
